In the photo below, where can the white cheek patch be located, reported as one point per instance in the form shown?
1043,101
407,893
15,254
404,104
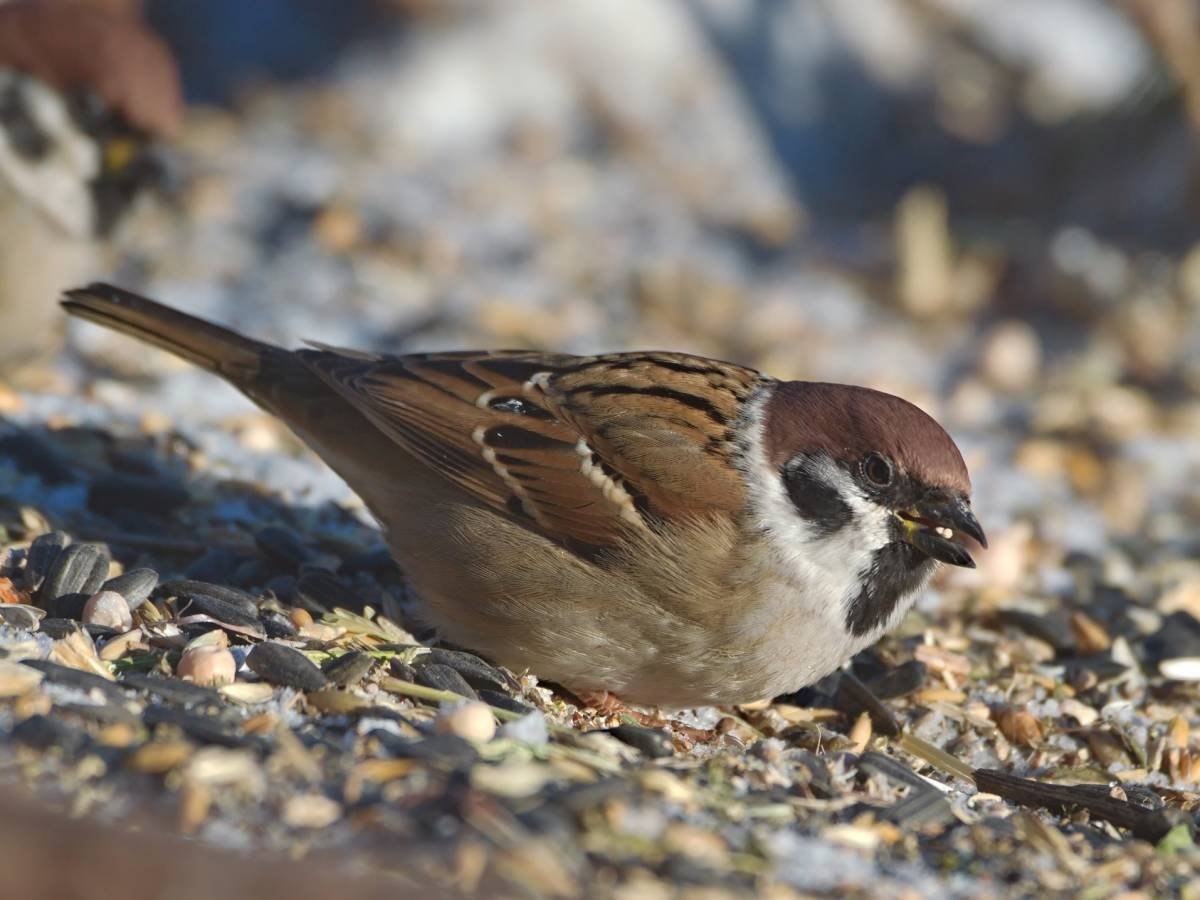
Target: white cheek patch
825,567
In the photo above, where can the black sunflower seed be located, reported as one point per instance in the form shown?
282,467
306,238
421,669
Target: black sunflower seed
135,586
650,741
77,678
444,678
898,682
225,604
77,573
276,624
475,671
206,729
173,690
503,701
42,553
285,666
349,668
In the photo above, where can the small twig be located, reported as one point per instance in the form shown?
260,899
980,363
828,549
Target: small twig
1148,824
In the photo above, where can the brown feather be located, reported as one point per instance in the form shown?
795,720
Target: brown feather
561,440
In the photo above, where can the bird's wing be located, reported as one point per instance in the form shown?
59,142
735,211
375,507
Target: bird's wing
583,448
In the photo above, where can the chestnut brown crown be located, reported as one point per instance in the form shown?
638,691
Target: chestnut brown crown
847,423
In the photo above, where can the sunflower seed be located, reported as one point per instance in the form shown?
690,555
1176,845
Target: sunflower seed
475,671
77,678
42,553
277,625
349,668
206,729
135,586
444,678
503,701
283,665
225,604
172,690
77,573
652,742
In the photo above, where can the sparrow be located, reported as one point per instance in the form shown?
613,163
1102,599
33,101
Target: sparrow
84,93
662,528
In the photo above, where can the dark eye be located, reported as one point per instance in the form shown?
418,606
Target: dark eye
878,470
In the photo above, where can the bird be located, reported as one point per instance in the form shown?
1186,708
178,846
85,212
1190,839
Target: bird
650,528
85,93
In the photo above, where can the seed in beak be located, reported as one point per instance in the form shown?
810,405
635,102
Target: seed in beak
947,533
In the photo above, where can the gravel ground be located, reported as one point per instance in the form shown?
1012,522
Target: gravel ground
1027,731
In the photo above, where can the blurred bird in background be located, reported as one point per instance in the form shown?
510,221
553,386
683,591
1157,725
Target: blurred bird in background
85,91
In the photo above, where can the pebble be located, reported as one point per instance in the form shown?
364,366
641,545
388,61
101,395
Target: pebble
472,721
211,666
285,666
108,608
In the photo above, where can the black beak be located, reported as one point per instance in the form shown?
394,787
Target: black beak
933,525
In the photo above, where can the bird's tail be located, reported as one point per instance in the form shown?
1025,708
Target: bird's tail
237,358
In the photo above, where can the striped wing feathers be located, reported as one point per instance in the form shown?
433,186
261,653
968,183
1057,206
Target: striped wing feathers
583,448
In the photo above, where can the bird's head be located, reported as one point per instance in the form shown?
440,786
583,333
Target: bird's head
861,491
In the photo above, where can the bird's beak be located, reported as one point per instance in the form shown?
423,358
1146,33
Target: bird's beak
934,525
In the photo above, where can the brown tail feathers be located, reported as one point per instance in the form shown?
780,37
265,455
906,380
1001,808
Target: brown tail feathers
225,352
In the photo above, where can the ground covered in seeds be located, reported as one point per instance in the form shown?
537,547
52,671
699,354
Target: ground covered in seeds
201,634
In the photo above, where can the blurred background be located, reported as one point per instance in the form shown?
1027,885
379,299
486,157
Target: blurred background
987,207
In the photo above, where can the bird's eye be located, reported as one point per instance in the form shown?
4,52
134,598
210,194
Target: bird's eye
878,470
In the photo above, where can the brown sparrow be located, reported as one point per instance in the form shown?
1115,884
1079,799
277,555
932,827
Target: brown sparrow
82,91
668,528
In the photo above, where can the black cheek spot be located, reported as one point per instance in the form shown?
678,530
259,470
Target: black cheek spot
896,571
817,501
